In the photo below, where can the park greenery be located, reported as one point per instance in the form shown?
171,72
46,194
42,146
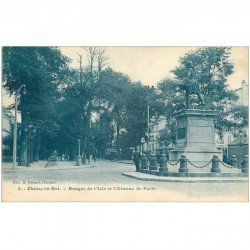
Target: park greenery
103,108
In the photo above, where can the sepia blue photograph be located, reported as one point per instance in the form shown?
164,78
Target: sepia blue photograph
125,123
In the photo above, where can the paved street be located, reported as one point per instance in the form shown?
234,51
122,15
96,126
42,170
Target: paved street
103,172
106,173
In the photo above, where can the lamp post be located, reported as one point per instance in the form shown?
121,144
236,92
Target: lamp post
79,158
148,130
142,143
15,125
29,146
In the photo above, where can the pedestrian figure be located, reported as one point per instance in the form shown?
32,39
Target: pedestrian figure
52,159
63,156
136,159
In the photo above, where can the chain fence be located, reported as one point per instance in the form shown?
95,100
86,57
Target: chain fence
230,166
238,166
196,166
173,164
227,165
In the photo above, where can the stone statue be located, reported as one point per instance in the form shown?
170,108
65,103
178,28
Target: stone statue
191,86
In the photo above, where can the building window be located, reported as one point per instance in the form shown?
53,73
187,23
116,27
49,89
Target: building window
181,133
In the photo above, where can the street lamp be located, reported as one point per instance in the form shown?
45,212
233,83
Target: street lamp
79,158
15,124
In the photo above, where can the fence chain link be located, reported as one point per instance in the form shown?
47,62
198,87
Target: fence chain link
204,166
173,164
229,166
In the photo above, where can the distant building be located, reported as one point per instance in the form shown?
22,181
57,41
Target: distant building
7,119
227,138
243,93
156,126
222,141
238,147
5,124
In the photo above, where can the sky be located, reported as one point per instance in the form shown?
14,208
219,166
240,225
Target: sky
151,64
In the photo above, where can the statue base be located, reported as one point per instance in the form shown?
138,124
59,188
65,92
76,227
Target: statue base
195,136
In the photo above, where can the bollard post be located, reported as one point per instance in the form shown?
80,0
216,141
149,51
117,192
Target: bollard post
215,164
234,161
245,165
183,164
144,162
163,164
78,160
153,163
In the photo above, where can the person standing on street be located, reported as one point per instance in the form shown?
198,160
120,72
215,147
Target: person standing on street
136,159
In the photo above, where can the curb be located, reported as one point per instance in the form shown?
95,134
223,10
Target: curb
187,180
124,162
45,169
130,163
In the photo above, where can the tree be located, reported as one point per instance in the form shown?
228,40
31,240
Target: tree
72,118
103,133
124,104
41,70
212,67
137,102
90,81
112,93
79,101
237,118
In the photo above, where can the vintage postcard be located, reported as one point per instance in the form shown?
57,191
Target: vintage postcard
125,123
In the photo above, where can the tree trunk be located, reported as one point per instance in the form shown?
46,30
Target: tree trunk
28,146
71,154
22,161
31,147
118,136
32,150
37,145
84,148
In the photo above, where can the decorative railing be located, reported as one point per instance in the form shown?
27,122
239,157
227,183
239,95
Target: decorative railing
151,164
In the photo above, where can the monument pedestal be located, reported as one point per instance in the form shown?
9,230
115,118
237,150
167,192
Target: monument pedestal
195,136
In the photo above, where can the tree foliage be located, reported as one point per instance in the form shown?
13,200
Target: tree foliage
212,67
104,108
41,70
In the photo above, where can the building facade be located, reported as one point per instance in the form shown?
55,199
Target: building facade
227,138
243,93
154,145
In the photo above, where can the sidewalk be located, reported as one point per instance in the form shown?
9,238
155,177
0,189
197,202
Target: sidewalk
149,177
40,166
